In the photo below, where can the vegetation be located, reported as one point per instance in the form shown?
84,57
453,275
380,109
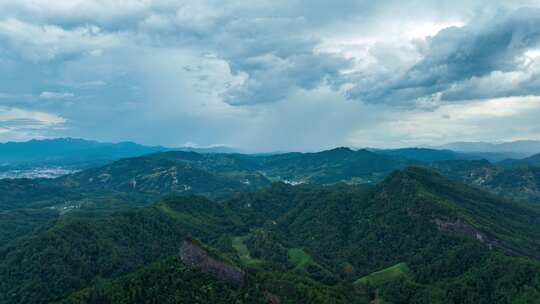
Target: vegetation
243,252
147,178
299,258
386,275
416,237
16,223
166,281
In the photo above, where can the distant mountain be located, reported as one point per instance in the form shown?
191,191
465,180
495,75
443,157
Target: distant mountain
424,154
521,147
78,152
514,182
431,155
416,237
183,173
70,151
134,181
528,161
331,166
138,181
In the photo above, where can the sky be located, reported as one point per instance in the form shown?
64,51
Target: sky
270,75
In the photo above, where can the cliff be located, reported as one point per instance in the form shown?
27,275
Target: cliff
197,257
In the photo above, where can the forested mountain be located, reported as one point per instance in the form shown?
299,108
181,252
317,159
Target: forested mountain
432,155
424,154
529,161
515,182
68,151
62,155
416,237
331,166
148,177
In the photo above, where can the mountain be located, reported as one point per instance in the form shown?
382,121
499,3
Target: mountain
133,181
424,154
431,155
56,157
20,222
331,166
513,182
416,237
521,147
448,235
70,151
75,252
528,161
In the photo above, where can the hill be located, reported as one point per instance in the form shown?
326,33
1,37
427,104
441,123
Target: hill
513,182
424,154
331,166
146,178
77,251
60,156
133,182
69,151
529,161
442,230
416,237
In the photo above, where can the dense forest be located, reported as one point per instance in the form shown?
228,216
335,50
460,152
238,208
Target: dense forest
415,237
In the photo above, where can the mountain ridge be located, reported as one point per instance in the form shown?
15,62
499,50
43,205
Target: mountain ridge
324,238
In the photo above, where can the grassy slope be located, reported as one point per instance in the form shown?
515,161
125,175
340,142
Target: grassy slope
386,275
243,252
299,258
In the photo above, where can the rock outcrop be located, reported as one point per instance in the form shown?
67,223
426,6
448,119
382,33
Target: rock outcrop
197,257
462,228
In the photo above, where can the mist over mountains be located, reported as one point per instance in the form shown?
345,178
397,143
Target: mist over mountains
519,148
81,152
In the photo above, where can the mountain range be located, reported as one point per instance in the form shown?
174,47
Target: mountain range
337,226
80,152
519,147
416,237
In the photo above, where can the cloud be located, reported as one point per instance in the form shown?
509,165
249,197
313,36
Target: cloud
38,43
512,118
270,78
56,95
21,124
275,75
463,62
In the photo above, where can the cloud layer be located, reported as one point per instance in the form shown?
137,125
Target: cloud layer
271,75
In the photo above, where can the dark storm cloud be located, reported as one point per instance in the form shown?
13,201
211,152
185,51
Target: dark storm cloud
456,60
234,72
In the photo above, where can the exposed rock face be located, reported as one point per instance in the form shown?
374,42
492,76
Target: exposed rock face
460,227
195,256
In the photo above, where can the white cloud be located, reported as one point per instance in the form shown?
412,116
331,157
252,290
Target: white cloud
499,119
46,42
20,124
267,76
41,118
56,95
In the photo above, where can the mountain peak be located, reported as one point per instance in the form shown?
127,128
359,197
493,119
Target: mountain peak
338,150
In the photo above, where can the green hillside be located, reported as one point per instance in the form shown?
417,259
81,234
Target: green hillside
511,182
416,237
